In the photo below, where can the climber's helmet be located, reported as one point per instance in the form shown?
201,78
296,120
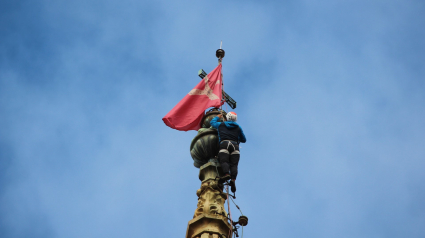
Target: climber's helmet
231,116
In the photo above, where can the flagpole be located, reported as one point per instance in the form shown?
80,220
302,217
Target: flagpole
220,55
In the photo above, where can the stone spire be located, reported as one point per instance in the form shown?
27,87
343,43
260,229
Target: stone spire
210,218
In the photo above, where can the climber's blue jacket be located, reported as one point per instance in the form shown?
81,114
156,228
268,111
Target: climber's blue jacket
228,130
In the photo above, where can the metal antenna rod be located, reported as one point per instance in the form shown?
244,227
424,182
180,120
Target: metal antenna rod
221,43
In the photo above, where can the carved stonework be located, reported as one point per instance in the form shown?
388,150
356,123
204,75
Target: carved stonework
211,199
210,219
205,144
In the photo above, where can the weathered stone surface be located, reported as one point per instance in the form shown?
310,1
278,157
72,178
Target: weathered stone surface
210,170
210,217
207,224
211,197
209,116
204,146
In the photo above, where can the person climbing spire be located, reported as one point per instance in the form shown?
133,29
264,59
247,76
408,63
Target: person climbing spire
230,134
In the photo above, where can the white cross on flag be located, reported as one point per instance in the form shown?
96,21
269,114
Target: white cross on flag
188,113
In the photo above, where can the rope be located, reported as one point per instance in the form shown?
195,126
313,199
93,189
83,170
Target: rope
239,210
227,109
230,213
228,204
222,88
236,205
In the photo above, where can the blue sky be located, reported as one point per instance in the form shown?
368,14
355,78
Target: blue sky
330,96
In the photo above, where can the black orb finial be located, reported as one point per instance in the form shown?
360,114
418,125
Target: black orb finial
220,53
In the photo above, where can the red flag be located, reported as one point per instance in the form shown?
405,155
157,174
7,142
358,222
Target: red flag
188,113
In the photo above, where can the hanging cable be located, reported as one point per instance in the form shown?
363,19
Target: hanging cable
228,203
230,213
236,205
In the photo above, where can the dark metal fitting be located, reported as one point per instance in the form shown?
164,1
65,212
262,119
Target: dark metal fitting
220,53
